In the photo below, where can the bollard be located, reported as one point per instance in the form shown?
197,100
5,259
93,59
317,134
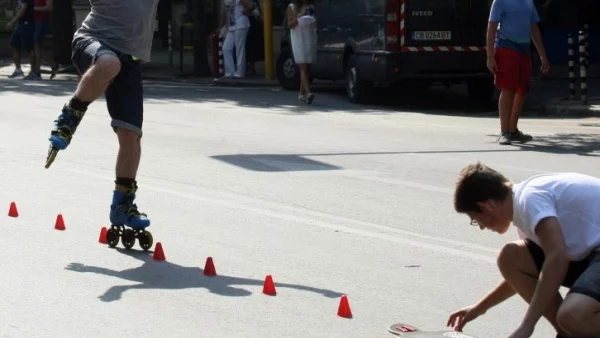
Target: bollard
586,32
571,42
221,60
170,41
582,67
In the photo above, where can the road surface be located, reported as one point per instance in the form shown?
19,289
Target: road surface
331,200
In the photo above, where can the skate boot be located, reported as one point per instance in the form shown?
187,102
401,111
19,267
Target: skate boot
63,131
124,213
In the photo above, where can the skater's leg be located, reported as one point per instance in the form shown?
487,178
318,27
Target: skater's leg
124,98
99,65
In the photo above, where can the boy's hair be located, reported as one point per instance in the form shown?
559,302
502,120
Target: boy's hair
478,183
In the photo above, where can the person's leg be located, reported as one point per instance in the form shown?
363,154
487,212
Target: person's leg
525,73
228,45
98,65
579,314
15,46
520,263
240,49
38,39
124,100
27,43
506,80
310,96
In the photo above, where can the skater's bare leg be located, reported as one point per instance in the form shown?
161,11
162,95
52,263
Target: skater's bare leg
95,81
128,159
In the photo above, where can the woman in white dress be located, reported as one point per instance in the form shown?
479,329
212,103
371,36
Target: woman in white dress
303,33
235,21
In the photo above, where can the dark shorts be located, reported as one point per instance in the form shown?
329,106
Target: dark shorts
22,37
514,70
582,277
124,95
41,27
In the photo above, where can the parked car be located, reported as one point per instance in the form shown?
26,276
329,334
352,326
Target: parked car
372,43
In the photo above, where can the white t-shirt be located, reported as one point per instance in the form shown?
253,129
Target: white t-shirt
572,198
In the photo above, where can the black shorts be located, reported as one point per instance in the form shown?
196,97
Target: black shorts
582,277
124,95
23,36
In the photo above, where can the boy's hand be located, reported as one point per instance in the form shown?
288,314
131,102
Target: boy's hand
545,65
461,317
522,332
492,65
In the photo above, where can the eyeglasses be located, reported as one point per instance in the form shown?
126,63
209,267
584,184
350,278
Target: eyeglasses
474,222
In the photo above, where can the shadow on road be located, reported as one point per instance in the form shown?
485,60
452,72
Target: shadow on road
330,97
576,144
170,276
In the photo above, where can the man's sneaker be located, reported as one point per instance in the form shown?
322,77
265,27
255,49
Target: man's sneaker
16,73
33,76
504,139
520,136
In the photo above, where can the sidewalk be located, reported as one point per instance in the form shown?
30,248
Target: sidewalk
549,97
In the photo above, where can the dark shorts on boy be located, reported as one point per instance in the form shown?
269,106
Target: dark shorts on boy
514,70
124,95
22,37
582,277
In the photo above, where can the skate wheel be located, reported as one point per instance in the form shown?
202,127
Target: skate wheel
51,156
112,237
128,238
145,239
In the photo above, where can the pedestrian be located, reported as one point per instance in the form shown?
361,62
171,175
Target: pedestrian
21,39
41,18
108,49
511,28
234,18
557,219
301,20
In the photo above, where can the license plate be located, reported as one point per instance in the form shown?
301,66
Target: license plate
432,35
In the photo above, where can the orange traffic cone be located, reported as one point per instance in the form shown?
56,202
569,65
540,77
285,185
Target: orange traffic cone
209,267
12,211
269,286
60,223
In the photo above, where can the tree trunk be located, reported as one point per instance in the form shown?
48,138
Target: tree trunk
201,65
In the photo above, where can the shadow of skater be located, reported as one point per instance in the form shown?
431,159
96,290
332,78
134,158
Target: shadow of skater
167,275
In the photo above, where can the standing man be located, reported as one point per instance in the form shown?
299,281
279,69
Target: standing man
511,28
107,50
22,36
41,18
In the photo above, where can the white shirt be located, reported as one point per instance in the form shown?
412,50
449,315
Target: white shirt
235,15
574,199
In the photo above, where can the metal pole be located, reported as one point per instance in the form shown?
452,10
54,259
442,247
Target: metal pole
268,35
571,42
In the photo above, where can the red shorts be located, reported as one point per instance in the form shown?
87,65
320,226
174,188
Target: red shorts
514,71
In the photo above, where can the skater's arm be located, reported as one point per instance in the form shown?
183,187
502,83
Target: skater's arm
498,295
553,272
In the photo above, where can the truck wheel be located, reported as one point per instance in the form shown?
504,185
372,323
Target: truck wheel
288,73
357,90
481,90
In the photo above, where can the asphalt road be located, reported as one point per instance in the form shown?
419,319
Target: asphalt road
331,199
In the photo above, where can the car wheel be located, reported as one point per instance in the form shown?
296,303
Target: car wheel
288,73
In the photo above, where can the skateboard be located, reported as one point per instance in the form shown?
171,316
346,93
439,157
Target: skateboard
407,330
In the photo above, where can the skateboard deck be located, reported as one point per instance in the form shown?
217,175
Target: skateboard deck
402,329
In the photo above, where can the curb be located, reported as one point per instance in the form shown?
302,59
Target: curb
562,107
221,82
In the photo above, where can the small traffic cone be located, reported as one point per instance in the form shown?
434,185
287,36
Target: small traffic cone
60,223
102,238
12,211
344,308
269,286
209,267
159,254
